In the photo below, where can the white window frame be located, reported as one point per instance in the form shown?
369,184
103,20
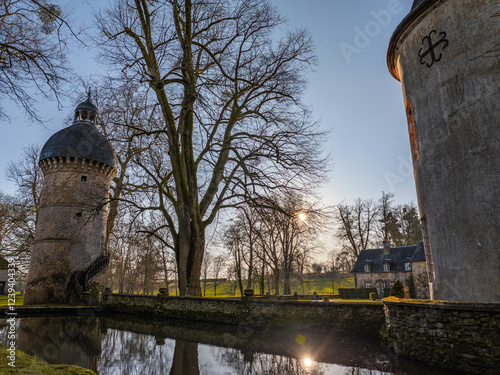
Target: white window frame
368,284
407,266
387,267
368,267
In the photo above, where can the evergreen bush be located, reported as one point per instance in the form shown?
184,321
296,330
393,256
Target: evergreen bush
398,289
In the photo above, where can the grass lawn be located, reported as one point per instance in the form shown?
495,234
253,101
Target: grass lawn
320,286
4,300
28,365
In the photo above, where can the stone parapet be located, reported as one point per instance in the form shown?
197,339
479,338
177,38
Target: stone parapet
361,317
76,164
453,335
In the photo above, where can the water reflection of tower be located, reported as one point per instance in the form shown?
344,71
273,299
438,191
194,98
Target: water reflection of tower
62,340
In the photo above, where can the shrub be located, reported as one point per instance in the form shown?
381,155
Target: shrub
373,296
411,286
398,289
326,299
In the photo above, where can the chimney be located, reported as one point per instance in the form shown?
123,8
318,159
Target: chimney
387,246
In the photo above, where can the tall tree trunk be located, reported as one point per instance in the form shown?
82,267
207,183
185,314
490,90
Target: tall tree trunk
189,254
250,265
262,280
276,281
286,274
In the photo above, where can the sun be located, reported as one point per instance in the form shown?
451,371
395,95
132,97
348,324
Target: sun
302,216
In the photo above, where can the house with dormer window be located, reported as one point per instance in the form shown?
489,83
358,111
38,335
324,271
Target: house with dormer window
380,268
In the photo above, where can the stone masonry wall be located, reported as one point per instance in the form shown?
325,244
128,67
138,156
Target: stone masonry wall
362,317
458,336
71,227
448,63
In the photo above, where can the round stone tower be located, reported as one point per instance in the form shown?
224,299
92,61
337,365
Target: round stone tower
69,248
446,55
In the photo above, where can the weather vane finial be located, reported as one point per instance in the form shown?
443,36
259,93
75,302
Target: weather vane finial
88,95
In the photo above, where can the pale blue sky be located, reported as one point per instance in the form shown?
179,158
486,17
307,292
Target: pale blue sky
351,92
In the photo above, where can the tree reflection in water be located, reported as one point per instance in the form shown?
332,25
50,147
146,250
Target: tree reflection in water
118,346
249,363
185,359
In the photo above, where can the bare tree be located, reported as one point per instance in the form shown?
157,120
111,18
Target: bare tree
20,213
233,240
356,225
32,52
27,176
228,92
205,269
17,229
218,265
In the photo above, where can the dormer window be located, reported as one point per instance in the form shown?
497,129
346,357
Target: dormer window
368,268
407,266
387,267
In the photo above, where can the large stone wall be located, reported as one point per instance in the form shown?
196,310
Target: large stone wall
363,317
458,336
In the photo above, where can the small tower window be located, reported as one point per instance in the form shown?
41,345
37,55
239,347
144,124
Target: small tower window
84,114
84,178
387,267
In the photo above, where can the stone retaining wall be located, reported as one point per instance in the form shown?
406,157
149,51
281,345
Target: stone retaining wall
362,317
458,336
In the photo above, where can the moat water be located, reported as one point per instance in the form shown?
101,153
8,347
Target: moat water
123,345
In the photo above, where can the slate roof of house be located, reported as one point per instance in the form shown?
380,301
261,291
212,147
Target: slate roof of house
396,258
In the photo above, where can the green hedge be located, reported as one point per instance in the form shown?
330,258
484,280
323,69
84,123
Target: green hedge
356,293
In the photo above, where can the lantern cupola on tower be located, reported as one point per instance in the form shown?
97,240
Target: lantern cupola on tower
86,111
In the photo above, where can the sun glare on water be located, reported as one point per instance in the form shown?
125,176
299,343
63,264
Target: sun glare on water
307,362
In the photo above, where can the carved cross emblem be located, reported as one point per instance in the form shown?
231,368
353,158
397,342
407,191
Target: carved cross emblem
431,46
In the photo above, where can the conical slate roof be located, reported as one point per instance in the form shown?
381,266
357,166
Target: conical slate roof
81,140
